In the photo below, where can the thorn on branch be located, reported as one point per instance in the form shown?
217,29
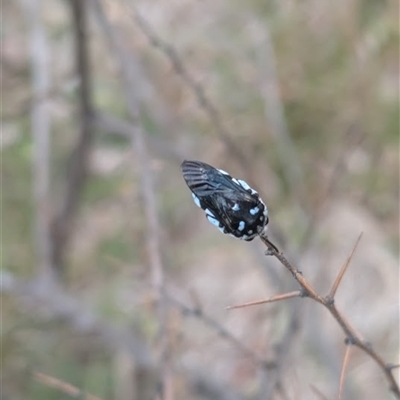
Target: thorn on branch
272,299
343,269
349,342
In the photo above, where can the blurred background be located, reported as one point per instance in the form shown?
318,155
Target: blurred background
114,284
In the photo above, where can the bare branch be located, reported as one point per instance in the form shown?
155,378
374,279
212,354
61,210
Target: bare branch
351,335
272,299
343,371
343,269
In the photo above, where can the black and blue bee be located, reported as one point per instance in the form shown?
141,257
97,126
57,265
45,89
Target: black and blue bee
230,204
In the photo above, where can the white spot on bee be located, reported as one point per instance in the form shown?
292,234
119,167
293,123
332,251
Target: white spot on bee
241,225
196,200
236,207
254,211
244,237
236,181
209,212
250,232
213,220
262,217
243,184
223,172
222,229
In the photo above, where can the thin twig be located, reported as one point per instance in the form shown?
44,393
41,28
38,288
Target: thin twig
336,284
351,335
272,299
78,166
343,371
63,387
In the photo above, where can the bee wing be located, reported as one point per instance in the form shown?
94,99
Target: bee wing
196,175
205,180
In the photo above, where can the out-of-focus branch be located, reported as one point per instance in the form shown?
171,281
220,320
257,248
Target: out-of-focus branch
271,383
352,140
274,112
197,312
133,99
139,145
41,129
196,88
208,388
110,124
78,166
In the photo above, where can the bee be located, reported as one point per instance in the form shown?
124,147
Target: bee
229,203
